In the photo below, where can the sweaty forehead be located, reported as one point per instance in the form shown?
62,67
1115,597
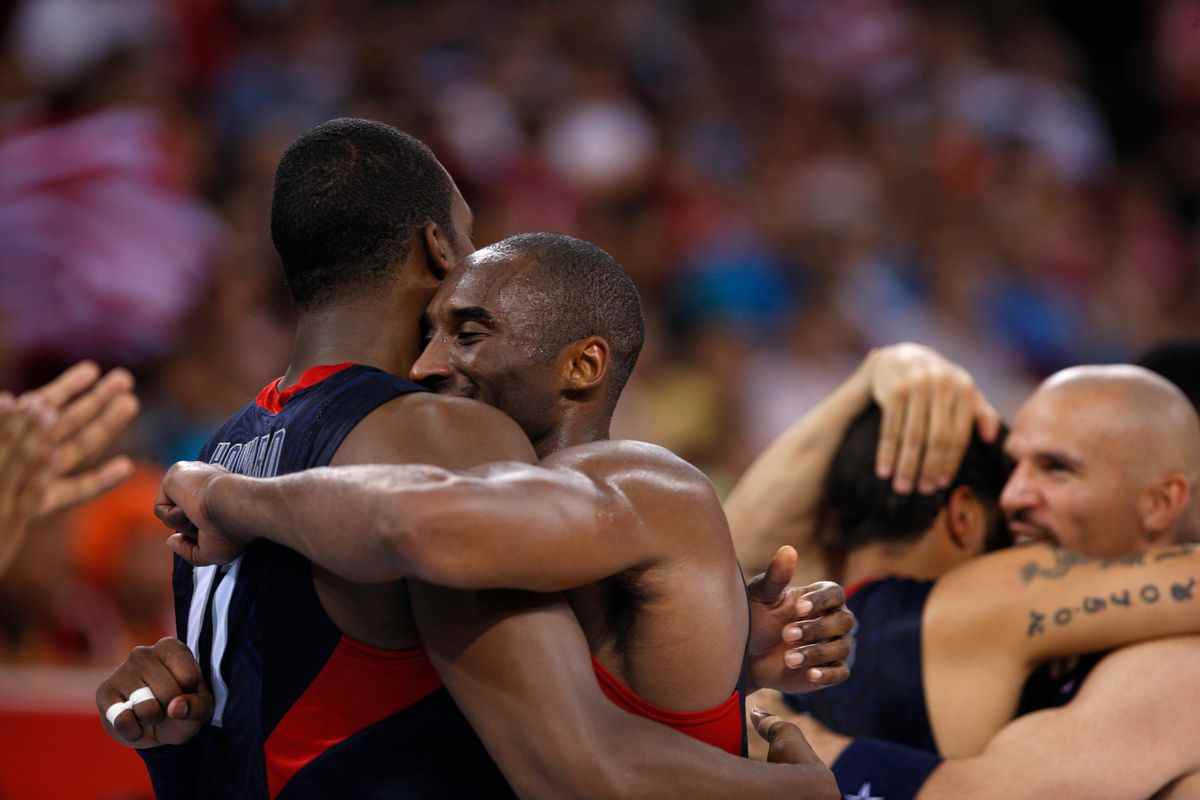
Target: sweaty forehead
484,279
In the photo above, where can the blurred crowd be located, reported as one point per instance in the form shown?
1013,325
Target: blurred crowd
790,182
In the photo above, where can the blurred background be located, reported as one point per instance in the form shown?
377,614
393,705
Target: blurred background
790,182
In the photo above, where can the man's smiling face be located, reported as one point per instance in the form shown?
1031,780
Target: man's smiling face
1072,485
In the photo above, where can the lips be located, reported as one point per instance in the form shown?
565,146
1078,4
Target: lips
1025,533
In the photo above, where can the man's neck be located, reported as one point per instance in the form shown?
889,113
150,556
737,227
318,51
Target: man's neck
881,560
577,427
383,333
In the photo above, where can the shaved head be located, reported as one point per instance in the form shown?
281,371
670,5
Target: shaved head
1149,422
1107,461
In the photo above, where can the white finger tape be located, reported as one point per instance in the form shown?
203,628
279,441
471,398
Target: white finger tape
115,710
140,696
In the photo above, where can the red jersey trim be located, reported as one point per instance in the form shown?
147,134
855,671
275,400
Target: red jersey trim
273,400
358,686
720,726
858,586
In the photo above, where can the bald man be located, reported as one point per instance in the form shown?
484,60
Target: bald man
1107,459
1106,462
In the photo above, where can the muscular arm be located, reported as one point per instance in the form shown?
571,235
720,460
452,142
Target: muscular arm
776,501
1129,733
517,664
503,525
520,668
1036,604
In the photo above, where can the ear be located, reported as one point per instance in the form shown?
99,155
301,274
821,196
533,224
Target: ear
1161,505
586,364
966,522
439,251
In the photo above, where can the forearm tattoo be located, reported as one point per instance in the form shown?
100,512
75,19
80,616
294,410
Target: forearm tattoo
1066,560
1147,594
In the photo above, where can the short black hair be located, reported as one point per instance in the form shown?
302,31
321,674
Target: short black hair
859,508
1177,360
349,195
582,291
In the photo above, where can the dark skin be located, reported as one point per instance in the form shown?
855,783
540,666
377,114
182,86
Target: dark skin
635,535
546,682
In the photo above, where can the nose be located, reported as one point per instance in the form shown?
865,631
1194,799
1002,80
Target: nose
433,365
1019,493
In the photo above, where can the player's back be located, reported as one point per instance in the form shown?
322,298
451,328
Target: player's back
885,697
685,614
303,710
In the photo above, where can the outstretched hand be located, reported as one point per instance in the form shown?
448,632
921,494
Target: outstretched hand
930,408
91,412
25,473
801,638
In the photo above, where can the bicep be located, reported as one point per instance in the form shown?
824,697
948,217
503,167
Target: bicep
1045,754
1098,607
519,668
1123,736
1036,604
1041,603
517,526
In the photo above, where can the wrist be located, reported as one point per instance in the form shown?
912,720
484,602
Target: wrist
217,496
861,383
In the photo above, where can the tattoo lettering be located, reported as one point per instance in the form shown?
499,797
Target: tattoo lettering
1148,595
1179,551
1064,561
1182,592
1130,560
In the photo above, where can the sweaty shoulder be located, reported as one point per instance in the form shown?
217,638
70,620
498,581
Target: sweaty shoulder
633,463
654,480
425,428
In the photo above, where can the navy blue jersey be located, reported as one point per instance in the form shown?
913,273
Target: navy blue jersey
884,698
303,711
1056,683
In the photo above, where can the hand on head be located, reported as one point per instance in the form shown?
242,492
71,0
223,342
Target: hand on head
930,408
